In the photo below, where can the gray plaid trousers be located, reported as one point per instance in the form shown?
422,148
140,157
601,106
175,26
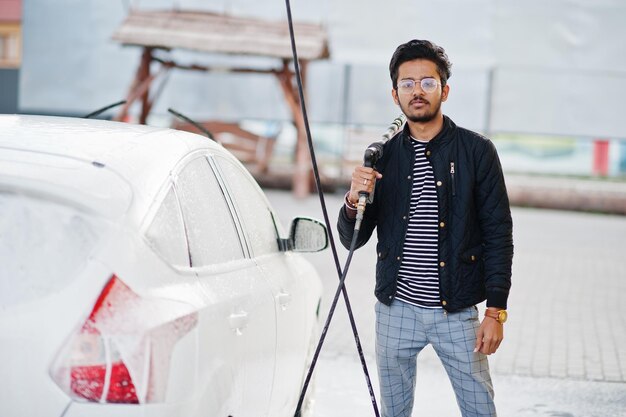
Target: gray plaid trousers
403,330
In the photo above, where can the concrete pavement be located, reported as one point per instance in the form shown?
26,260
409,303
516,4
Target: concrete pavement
341,391
564,352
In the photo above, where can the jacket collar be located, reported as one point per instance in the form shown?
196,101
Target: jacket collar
440,138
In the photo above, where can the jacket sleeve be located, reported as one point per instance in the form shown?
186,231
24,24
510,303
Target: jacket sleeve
496,225
345,225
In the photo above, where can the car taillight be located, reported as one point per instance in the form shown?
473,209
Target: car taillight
113,357
89,381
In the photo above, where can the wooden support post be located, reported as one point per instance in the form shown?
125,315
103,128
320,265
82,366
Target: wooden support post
139,88
301,185
146,59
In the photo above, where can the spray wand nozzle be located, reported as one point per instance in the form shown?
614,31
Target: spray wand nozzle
372,154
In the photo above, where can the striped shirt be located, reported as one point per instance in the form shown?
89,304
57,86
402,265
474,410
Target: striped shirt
418,277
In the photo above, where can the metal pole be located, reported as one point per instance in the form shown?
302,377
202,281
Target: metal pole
489,101
345,115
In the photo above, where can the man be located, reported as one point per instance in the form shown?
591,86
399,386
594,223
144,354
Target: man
444,240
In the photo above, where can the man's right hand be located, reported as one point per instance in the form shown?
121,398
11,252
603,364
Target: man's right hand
363,179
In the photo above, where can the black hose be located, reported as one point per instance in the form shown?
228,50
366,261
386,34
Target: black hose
103,109
341,288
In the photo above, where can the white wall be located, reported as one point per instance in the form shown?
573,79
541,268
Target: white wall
559,66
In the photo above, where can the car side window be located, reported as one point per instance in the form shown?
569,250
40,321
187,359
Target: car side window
209,223
251,207
166,233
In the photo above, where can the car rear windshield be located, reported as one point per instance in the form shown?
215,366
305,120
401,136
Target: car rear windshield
43,246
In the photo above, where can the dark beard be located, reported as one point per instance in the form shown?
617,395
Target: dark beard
425,118
421,119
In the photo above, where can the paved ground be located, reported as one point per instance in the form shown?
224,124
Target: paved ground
564,352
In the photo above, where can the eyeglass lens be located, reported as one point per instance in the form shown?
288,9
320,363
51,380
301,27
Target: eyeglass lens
427,84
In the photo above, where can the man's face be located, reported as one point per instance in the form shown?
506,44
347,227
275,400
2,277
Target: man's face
419,106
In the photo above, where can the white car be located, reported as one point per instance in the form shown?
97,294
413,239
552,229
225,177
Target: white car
143,273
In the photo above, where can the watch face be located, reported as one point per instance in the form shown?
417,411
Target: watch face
502,316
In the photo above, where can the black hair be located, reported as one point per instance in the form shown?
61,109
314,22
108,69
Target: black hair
420,49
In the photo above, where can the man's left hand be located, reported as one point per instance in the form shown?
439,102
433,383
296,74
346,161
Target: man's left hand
490,335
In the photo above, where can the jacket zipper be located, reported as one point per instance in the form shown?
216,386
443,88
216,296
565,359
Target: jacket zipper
452,178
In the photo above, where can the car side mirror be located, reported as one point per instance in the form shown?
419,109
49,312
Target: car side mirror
307,235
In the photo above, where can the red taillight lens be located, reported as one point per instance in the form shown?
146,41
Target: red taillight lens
111,358
88,382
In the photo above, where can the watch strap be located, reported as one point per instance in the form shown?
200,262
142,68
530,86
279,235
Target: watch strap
496,315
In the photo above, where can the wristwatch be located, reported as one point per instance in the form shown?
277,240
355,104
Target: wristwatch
500,316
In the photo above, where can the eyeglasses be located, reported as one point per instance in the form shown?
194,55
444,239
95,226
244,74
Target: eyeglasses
407,86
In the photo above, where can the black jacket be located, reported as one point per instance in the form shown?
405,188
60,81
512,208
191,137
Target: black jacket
476,230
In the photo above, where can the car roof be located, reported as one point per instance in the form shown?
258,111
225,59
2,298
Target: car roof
93,161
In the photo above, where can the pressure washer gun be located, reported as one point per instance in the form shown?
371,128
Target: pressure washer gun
372,154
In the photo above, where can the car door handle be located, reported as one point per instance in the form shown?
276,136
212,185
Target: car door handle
238,321
284,299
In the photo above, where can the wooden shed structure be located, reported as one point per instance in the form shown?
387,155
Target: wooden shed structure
207,32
